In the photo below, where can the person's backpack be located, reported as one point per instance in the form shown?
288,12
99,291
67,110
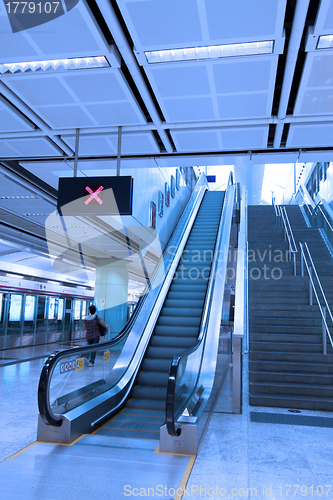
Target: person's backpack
102,329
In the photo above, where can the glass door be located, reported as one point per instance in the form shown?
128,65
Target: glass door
68,320
41,324
14,327
3,318
29,320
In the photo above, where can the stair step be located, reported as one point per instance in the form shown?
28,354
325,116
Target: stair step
290,378
290,367
291,389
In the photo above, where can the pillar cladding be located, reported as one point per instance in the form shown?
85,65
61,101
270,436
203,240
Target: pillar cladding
111,289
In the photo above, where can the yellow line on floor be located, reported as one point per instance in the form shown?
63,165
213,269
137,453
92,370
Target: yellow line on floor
24,449
184,480
169,453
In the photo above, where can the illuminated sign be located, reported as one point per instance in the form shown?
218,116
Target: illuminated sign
95,195
15,307
29,308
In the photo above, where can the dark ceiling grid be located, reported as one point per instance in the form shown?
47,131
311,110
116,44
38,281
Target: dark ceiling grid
310,21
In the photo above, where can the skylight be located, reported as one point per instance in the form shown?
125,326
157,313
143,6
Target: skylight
325,42
210,52
54,65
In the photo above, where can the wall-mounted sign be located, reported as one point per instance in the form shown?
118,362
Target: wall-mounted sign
160,203
95,195
211,178
152,215
177,179
173,186
167,194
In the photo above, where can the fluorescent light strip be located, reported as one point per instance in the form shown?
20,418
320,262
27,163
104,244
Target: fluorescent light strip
54,65
211,52
325,42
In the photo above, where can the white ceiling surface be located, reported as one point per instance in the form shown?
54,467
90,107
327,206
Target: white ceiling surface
210,107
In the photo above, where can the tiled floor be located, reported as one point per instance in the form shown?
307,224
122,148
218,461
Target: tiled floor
237,458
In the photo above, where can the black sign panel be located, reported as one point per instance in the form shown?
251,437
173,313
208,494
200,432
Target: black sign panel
95,195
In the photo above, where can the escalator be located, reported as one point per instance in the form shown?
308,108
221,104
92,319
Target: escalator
177,327
169,320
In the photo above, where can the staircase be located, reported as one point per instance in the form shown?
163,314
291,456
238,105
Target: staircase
286,366
176,330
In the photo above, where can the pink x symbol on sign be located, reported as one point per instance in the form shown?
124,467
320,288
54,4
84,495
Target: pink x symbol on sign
94,195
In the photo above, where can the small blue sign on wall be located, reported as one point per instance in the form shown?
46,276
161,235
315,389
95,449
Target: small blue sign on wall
211,178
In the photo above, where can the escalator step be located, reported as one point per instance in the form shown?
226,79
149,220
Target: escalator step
149,392
131,426
153,379
189,303
163,352
148,404
168,341
174,331
195,296
175,312
156,365
178,321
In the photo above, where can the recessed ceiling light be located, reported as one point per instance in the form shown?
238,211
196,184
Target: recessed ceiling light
325,42
54,65
210,52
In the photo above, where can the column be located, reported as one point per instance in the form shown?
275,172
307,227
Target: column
111,289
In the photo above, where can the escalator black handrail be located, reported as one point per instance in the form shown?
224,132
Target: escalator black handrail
44,407
171,385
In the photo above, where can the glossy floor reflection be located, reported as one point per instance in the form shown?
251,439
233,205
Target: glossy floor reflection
238,458
243,459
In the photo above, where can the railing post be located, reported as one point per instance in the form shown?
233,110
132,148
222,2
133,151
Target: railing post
302,263
310,286
295,271
323,328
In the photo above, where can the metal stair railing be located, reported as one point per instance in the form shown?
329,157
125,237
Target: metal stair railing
312,289
282,219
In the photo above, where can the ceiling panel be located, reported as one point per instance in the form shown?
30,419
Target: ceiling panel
220,89
315,95
245,138
71,35
33,146
81,98
324,21
310,135
197,140
11,120
188,23
220,139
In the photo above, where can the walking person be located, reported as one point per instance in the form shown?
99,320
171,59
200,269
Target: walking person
90,325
